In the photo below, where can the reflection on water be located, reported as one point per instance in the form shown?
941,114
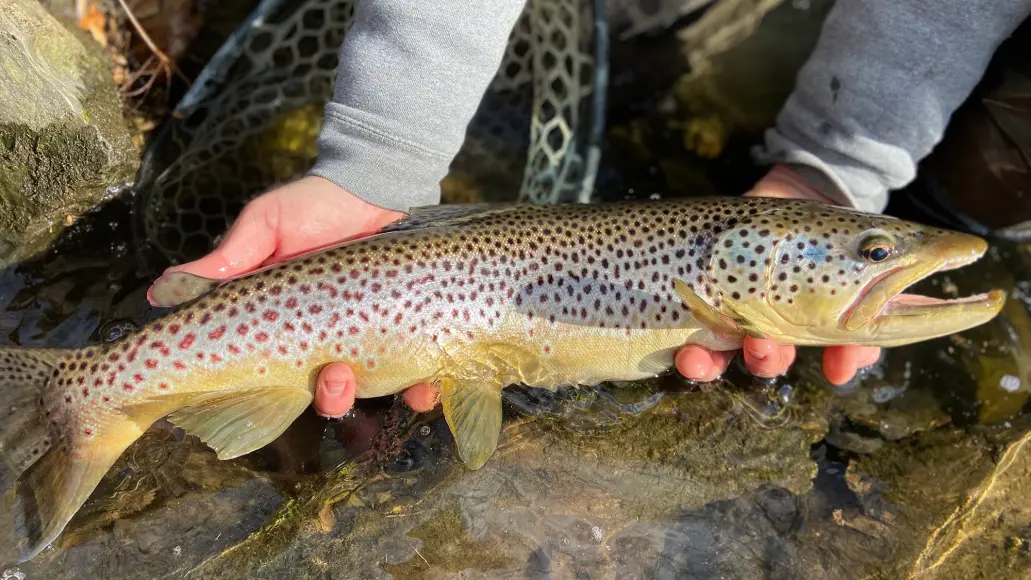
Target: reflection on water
917,467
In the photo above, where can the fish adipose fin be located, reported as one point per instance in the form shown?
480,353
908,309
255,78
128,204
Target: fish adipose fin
177,288
473,411
54,469
234,424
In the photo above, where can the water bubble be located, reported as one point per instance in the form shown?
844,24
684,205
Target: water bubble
596,533
178,551
13,574
1009,383
784,393
115,329
424,431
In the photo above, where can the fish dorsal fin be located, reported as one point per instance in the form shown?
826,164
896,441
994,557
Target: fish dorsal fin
473,411
710,316
234,424
177,288
445,215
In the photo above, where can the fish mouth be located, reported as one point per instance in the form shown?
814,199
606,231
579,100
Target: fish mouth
893,317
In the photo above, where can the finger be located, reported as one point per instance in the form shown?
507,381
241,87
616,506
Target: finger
699,364
840,363
421,397
253,237
335,390
767,358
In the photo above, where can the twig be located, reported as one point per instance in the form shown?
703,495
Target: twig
165,63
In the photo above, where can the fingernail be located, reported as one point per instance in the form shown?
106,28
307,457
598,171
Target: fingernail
335,388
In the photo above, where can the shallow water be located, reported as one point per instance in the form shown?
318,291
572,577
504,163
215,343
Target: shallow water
918,468
742,478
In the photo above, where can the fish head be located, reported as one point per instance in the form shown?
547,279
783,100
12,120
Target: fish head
814,274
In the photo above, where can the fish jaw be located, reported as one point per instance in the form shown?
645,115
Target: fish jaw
884,315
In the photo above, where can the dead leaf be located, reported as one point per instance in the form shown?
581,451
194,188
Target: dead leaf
94,22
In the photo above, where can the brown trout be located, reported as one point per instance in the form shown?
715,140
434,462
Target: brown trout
472,299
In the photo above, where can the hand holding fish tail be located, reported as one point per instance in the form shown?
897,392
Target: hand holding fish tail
290,220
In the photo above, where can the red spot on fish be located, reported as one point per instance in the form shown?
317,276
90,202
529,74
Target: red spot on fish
137,377
112,357
289,327
173,328
282,349
261,337
241,330
163,386
187,341
67,399
151,363
85,392
304,345
291,303
376,287
214,358
206,318
322,335
363,316
353,330
106,398
217,333
354,353
276,290
338,348
179,365
306,327
200,356
131,356
98,382
127,387
87,432
270,315
249,307
314,309
233,311
233,349
304,288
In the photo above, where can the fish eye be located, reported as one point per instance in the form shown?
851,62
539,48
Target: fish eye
877,248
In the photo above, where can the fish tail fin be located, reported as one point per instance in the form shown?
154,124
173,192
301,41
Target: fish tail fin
50,469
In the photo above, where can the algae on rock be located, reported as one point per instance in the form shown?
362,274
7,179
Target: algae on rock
63,140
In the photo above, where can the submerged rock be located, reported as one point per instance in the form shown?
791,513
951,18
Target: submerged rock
63,140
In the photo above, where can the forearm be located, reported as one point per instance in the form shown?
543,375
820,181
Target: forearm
878,91
410,78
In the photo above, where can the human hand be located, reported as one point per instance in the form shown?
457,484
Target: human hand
767,358
293,219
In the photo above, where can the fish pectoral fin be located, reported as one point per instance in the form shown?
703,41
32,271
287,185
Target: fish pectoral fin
473,411
706,314
177,288
234,424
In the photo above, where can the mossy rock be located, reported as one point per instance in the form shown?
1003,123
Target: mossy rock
63,139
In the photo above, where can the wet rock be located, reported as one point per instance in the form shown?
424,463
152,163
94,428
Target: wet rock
63,140
743,57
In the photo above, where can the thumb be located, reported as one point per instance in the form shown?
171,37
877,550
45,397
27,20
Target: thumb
252,238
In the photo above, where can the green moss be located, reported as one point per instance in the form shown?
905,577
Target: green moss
447,546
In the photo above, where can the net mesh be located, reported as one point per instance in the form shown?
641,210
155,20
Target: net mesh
251,119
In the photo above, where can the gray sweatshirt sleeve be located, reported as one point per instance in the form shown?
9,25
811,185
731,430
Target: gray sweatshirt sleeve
876,94
410,78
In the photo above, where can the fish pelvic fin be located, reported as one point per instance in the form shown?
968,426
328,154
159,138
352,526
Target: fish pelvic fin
234,424
53,470
473,411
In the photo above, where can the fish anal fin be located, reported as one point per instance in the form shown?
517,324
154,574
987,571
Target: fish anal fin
50,492
234,424
473,411
177,288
